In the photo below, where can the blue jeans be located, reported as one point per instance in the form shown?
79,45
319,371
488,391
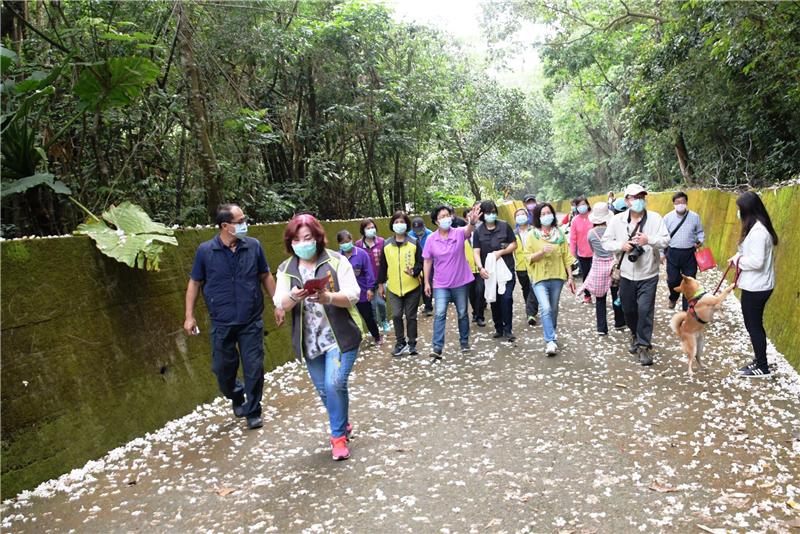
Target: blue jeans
443,296
379,309
249,340
329,373
547,293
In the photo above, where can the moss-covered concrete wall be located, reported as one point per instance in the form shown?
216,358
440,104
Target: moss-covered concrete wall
93,352
717,209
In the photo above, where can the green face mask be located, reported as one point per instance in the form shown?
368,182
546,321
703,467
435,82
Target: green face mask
305,250
346,247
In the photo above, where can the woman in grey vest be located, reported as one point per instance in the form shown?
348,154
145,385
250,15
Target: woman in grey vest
325,324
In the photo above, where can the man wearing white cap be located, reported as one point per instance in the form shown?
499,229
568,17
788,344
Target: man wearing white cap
640,235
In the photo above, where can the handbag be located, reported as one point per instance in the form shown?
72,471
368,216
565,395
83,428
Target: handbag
705,259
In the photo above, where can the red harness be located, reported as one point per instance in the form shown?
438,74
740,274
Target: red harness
693,312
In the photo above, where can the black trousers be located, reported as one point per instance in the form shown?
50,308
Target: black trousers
619,315
753,304
407,306
476,298
639,302
585,265
426,300
531,304
679,261
365,309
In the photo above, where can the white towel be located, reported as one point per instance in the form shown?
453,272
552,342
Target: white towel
499,275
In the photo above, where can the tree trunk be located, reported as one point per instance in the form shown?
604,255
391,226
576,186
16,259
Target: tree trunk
398,183
208,161
683,159
369,157
473,185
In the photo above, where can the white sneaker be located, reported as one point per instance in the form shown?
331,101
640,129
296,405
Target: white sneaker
551,348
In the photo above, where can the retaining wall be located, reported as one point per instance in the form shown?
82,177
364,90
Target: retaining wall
94,355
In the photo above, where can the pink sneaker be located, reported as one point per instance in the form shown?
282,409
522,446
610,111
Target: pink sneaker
348,431
339,450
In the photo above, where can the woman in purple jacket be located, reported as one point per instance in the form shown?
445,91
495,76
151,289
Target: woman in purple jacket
373,244
365,276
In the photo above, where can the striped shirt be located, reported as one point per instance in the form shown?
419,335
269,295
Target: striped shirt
687,235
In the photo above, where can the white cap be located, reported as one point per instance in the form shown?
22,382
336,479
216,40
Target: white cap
634,189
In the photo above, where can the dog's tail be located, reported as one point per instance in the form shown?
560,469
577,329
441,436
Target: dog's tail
677,321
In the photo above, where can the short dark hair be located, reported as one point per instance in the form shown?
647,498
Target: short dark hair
679,194
342,235
400,214
435,212
487,206
537,214
225,213
581,198
364,223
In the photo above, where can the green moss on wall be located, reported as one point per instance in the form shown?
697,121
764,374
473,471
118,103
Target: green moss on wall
86,341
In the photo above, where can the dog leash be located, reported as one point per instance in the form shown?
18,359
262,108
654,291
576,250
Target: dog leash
724,276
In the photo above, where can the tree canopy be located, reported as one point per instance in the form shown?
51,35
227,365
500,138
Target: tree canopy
336,108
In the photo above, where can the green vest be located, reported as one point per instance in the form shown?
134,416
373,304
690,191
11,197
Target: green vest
345,322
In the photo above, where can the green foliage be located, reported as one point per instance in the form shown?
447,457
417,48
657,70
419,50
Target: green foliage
23,184
127,234
115,83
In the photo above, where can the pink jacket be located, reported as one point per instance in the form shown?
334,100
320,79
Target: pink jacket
579,235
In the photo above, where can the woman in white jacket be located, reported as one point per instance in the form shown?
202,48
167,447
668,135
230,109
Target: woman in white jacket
755,258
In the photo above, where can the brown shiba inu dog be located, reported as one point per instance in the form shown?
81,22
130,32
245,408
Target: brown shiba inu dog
689,325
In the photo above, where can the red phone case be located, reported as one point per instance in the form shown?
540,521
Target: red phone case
315,284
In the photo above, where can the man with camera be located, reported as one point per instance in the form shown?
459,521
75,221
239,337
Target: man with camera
639,235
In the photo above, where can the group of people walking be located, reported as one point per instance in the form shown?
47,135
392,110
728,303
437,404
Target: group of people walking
469,261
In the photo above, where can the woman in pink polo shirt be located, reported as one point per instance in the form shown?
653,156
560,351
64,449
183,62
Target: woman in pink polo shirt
444,251
579,241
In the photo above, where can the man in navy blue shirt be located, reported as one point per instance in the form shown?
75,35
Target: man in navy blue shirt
231,269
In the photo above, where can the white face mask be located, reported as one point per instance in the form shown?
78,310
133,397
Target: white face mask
680,208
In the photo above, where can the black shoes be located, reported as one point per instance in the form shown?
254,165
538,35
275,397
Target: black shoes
634,348
510,337
672,304
254,421
238,410
436,353
400,349
480,321
756,372
498,335
531,320
412,349
645,356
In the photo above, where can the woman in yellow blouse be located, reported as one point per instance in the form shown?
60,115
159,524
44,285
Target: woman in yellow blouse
549,260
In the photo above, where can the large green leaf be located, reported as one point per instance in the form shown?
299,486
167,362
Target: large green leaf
127,234
7,58
115,83
45,178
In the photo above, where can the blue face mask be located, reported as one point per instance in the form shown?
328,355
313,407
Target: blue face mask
445,223
240,230
583,208
547,220
521,219
346,247
305,250
370,232
399,228
490,217
638,205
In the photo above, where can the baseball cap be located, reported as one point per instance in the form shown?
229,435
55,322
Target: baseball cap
529,196
634,189
417,222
